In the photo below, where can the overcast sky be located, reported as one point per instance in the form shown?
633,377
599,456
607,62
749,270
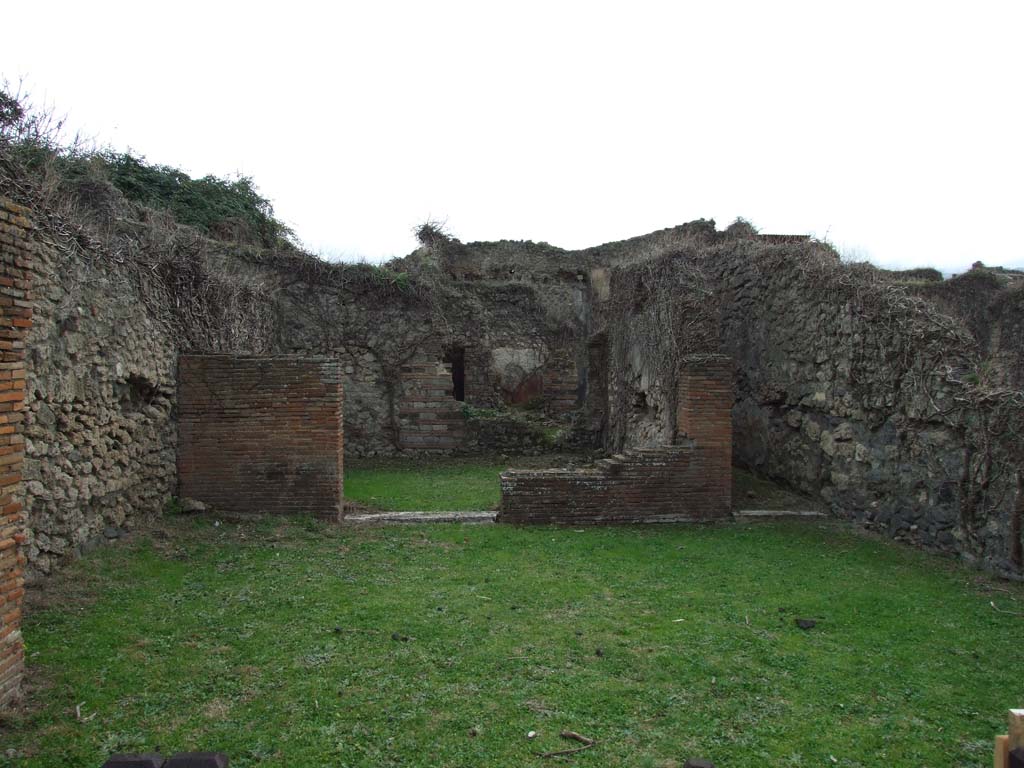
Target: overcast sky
894,129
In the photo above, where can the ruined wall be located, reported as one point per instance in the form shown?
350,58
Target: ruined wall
261,434
430,418
520,343
651,314
852,385
99,398
845,388
689,479
16,259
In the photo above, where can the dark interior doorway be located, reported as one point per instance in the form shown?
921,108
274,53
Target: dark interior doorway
456,357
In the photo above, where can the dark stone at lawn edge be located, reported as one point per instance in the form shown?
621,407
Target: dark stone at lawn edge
198,760
147,760
110,532
806,623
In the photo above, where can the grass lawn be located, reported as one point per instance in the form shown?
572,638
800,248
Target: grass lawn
442,484
302,644
456,484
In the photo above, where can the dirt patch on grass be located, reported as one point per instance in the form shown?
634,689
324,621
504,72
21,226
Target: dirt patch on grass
752,492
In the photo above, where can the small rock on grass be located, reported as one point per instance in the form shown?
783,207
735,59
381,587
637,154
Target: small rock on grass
806,623
192,506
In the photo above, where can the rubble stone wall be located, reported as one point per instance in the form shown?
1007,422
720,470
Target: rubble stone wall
829,398
99,428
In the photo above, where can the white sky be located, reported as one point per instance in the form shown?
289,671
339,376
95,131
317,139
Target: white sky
895,129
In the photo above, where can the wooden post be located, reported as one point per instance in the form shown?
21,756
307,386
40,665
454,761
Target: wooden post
1002,758
1016,728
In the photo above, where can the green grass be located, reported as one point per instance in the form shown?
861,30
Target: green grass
300,644
449,484
443,484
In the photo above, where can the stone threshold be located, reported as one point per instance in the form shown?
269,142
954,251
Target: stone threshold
371,518
381,518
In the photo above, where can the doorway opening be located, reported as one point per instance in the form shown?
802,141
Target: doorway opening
456,358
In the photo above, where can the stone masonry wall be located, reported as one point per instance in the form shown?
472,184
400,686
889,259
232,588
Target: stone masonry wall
262,434
16,256
100,388
829,399
394,345
689,480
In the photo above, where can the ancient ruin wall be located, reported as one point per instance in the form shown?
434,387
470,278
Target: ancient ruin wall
704,416
842,383
16,258
395,346
261,434
850,386
687,479
99,429
650,314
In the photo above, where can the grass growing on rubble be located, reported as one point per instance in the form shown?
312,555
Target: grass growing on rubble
302,644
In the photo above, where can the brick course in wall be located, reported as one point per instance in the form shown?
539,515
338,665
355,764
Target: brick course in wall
16,251
429,416
561,382
704,415
261,434
688,481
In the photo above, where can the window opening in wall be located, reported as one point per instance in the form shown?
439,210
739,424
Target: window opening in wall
640,401
456,357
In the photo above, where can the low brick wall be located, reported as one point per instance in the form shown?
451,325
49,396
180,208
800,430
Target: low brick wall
15,319
688,481
261,434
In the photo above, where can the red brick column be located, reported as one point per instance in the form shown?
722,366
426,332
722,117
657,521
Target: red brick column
15,319
704,415
261,434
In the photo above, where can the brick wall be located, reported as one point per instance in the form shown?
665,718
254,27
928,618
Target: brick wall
561,381
689,480
15,319
704,415
429,416
261,434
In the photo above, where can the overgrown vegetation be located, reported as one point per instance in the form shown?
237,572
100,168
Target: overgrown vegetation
283,643
215,206
36,157
178,242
